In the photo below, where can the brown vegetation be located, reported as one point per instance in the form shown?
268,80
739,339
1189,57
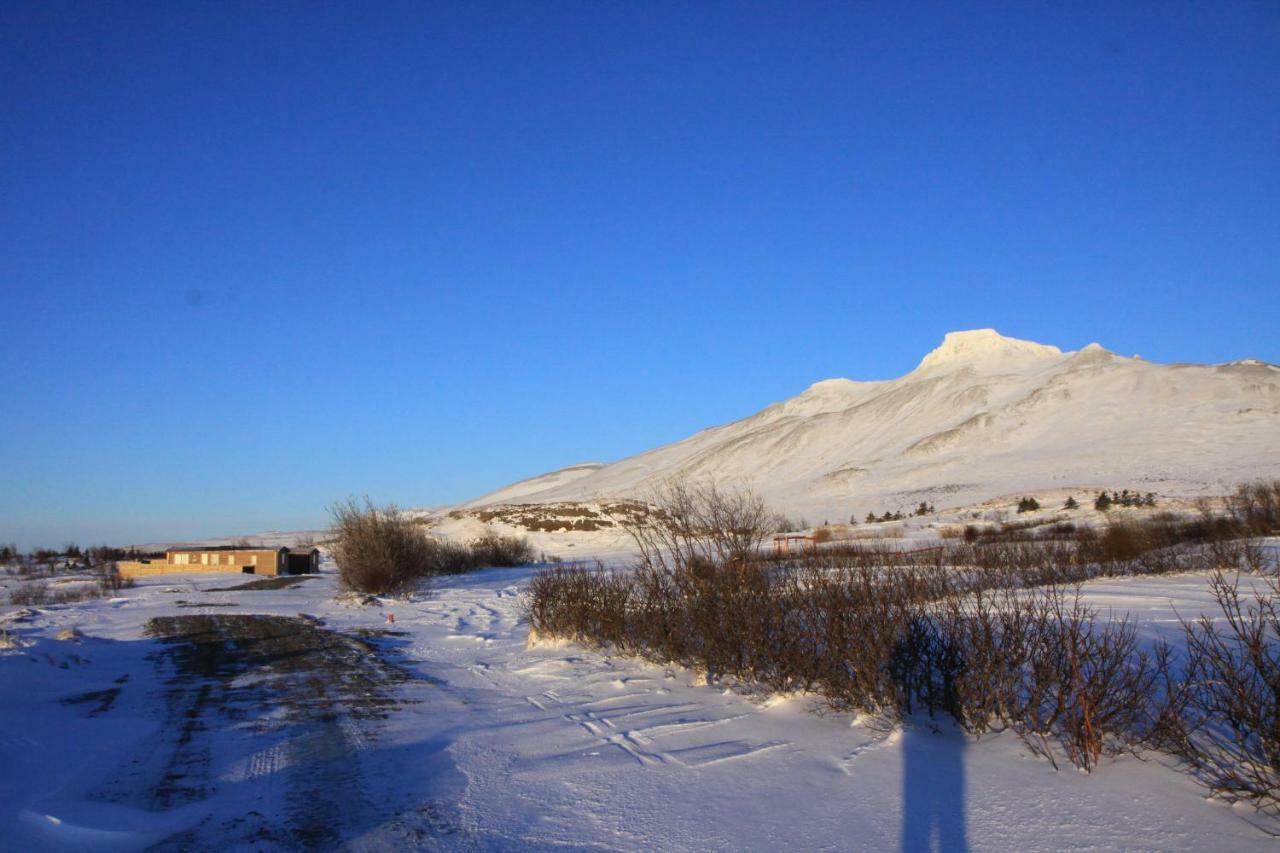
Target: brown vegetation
1256,506
557,517
380,550
1222,715
106,580
992,633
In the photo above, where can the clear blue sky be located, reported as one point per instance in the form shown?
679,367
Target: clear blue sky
256,257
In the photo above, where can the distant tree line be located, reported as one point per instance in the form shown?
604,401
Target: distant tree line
70,553
1125,498
872,518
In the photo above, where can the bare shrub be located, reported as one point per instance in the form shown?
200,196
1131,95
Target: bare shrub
1256,505
38,593
1223,715
31,594
1123,540
588,605
74,594
993,633
882,641
694,521
378,549
111,581
494,550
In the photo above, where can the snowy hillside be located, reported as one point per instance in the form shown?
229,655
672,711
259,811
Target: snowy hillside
982,415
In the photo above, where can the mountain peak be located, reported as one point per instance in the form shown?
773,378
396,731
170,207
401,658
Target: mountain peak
983,345
985,415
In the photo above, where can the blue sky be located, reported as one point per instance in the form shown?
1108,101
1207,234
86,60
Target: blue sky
258,257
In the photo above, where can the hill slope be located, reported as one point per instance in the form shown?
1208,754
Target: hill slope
982,415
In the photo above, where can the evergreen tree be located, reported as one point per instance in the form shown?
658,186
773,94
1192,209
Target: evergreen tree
1071,504
1103,503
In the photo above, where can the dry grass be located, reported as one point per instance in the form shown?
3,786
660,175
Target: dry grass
38,593
863,535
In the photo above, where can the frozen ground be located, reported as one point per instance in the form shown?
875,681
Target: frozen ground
212,729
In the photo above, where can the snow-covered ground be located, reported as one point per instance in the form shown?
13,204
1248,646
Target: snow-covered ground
116,740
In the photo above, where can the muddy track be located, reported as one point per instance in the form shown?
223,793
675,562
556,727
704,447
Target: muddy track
273,711
280,582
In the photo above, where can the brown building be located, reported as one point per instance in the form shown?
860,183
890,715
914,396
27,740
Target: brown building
228,558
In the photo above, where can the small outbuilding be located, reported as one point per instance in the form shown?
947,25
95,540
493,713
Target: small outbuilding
246,559
304,561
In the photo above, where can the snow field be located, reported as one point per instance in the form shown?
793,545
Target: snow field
510,744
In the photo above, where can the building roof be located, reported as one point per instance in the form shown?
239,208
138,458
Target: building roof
193,550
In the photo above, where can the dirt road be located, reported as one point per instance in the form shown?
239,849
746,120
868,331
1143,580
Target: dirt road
272,732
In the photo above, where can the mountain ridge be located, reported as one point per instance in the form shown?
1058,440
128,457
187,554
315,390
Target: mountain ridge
981,415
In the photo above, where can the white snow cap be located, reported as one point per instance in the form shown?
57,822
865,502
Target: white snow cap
983,345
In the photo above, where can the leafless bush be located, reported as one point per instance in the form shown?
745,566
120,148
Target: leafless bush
111,581
1256,505
1223,714
992,633
883,641
494,550
490,550
380,549
74,594
32,594
38,593
588,605
700,521
1045,665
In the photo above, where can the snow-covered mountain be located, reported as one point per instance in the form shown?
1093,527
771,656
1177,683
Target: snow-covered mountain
983,415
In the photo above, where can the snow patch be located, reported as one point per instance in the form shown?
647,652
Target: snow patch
982,346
